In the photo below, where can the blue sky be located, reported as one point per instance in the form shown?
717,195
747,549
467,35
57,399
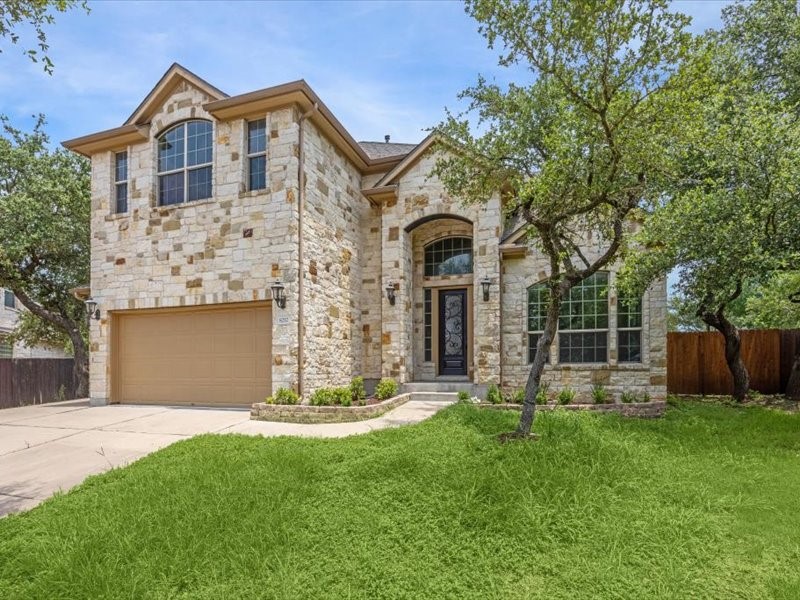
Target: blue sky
382,67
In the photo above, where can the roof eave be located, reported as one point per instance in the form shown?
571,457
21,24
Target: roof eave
110,139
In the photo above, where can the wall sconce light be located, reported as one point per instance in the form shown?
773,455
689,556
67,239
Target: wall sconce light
279,293
486,284
390,292
91,309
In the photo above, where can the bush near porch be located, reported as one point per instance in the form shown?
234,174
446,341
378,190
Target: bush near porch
701,503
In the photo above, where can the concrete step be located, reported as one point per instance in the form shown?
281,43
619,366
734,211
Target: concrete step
434,396
439,386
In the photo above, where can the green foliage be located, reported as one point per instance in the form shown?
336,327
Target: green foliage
36,15
283,396
566,395
357,391
517,396
463,396
386,388
730,220
493,395
32,331
542,394
331,396
680,487
583,140
600,394
44,227
628,397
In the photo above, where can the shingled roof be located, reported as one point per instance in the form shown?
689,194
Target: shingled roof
384,149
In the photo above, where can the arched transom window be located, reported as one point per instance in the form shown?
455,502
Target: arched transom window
449,256
184,163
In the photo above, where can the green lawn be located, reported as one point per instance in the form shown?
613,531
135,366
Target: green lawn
704,503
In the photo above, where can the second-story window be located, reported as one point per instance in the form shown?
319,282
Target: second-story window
121,182
9,301
257,154
184,163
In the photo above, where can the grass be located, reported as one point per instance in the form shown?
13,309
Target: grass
704,503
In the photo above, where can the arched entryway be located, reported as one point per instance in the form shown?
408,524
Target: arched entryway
442,250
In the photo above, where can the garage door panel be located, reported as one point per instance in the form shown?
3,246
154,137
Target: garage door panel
208,355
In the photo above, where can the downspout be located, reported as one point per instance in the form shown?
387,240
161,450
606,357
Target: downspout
301,206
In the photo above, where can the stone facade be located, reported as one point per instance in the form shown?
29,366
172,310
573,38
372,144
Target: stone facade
232,247
197,253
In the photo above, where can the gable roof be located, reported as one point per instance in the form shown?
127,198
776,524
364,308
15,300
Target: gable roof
174,75
367,158
408,161
384,149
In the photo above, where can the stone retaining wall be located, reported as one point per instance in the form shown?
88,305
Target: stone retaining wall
304,413
643,410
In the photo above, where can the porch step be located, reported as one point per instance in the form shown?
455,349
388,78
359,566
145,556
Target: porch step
435,396
450,387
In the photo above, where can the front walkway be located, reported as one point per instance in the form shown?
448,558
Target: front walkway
53,447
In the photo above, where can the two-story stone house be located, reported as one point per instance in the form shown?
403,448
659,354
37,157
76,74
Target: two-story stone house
202,203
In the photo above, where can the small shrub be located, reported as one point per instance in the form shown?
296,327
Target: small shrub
322,397
283,396
566,395
599,394
357,390
342,396
517,397
463,396
386,388
337,396
628,397
645,397
541,395
493,395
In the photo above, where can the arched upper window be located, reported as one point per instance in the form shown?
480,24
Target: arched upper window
184,163
449,256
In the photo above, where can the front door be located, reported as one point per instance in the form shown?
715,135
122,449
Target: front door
452,332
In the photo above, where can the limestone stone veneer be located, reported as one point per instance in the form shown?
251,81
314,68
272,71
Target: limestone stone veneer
337,222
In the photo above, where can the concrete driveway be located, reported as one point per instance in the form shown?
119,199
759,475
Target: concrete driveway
52,447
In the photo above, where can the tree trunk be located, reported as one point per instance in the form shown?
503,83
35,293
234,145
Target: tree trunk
537,368
80,369
793,385
733,351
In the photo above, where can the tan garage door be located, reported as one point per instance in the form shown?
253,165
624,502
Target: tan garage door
209,355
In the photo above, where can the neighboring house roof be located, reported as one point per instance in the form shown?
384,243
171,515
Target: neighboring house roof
384,149
224,107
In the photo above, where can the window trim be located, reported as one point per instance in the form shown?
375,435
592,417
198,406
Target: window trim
13,299
185,168
441,240
249,155
121,182
640,329
559,331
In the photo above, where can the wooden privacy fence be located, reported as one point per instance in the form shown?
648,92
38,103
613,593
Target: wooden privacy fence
696,361
35,381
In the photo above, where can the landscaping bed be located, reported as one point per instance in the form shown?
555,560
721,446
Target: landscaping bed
307,413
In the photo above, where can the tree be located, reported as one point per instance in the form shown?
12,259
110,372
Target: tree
44,225
37,14
764,304
580,148
731,221
767,35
